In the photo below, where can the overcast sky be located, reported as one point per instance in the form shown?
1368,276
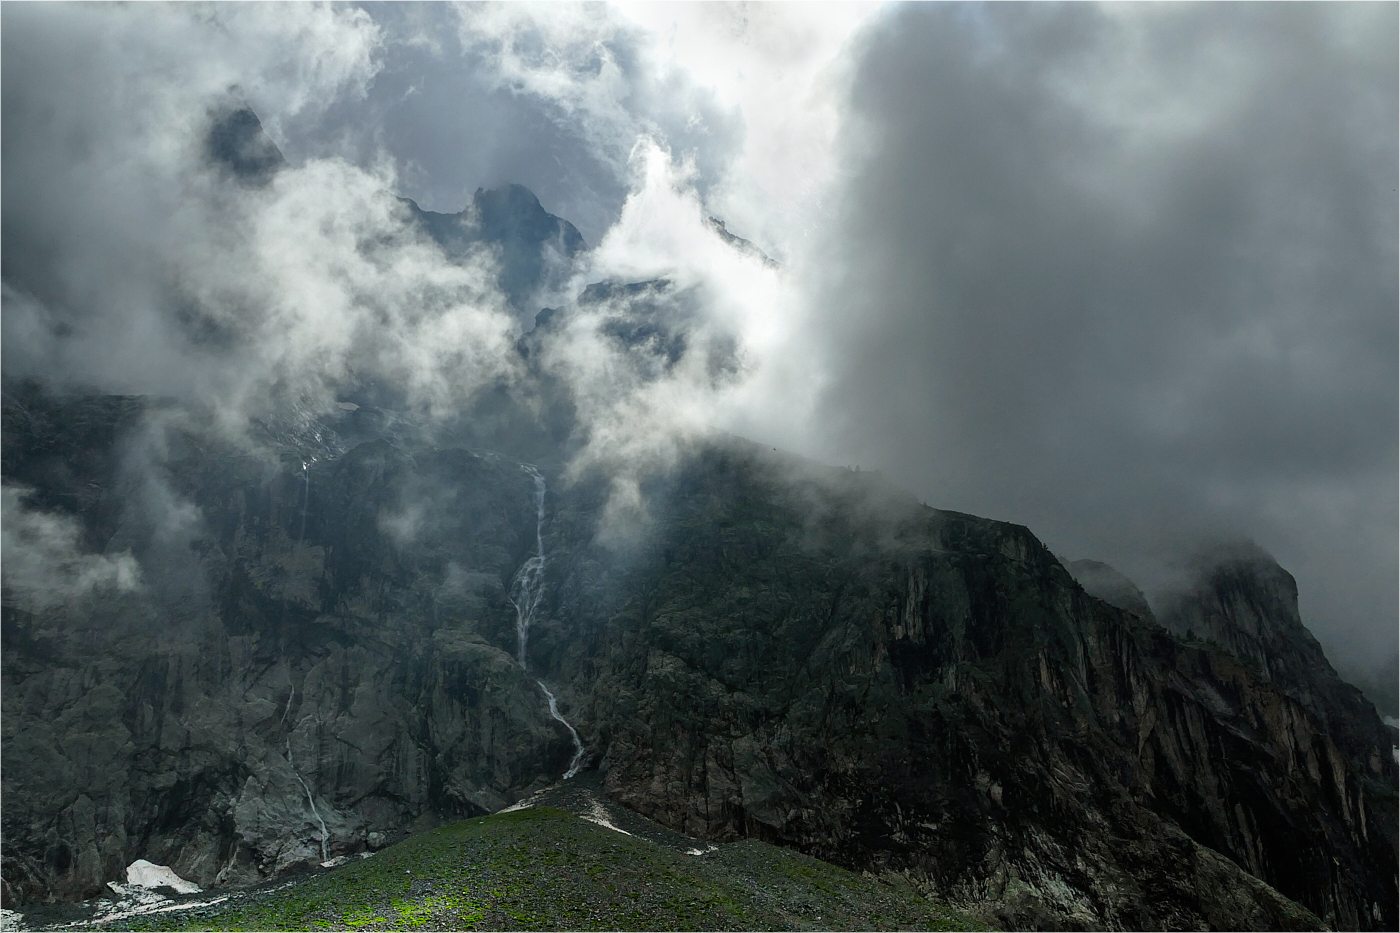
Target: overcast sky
1124,274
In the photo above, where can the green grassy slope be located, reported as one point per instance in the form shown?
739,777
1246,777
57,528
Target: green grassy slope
542,868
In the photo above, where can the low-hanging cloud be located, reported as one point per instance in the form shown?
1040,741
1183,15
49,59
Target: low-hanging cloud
45,565
135,264
1123,274
1128,275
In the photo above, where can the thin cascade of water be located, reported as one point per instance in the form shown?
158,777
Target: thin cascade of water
305,500
578,744
309,799
527,589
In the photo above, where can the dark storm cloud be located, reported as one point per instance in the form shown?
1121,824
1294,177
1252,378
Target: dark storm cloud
1124,274
1128,276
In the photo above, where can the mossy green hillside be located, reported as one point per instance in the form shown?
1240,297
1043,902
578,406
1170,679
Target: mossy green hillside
545,869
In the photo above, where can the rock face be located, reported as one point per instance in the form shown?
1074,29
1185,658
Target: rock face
322,658
891,687
237,143
1244,602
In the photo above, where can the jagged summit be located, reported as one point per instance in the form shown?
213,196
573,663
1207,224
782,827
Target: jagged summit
512,212
534,243
739,243
237,142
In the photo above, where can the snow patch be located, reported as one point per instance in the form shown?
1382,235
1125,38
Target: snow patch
144,874
600,816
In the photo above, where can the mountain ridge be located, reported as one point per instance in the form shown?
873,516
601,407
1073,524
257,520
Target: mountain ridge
303,641
798,654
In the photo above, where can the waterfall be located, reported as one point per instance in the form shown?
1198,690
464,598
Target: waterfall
528,585
305,498
526,591
309,799
578,745
292,692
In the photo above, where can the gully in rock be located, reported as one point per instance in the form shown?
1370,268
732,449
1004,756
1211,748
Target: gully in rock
305,500
527,589
291,763
309,799
301,538
578,745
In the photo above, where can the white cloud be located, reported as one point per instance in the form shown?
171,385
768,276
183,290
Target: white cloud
44,566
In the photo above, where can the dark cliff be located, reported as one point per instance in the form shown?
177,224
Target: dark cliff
889,686
1242,601
787,651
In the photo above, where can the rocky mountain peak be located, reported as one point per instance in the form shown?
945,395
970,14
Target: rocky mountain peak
534,244
1241,599
237,143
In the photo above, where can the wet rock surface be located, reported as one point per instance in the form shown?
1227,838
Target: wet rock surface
322,653
809,660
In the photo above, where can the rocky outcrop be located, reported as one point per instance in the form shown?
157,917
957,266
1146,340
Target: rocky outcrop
320,661
1239,599
533,245
320,656
893,688
237,144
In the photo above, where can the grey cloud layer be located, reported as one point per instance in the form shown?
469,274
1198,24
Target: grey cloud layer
134,264
1124,274
1128,276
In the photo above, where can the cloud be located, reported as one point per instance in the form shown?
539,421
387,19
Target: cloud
133,264
44,567
666,349
599,76
1125,274
1128,275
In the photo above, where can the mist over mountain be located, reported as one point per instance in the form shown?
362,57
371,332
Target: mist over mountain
350,488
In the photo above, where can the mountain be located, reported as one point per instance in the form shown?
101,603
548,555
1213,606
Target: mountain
237,143
1240,599
535,246
791,653
245,656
